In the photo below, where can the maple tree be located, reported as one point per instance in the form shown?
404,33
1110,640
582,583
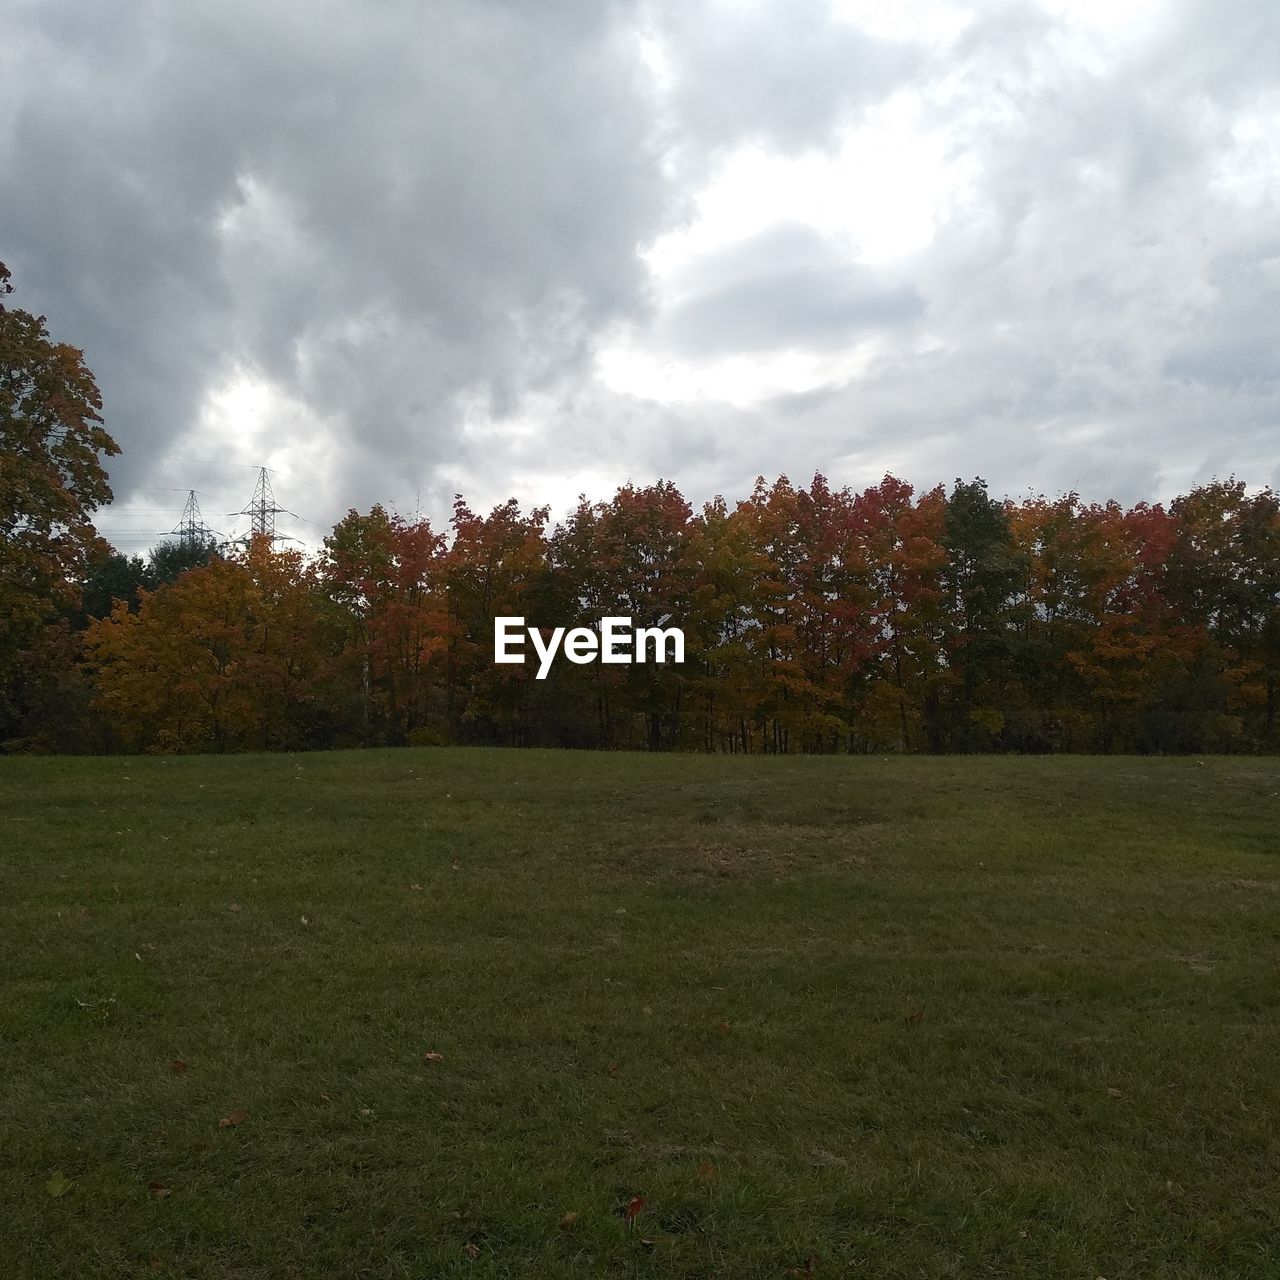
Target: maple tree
233,655
387,576
52,441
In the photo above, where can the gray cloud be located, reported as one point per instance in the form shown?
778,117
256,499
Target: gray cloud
421,225
380,212
784,287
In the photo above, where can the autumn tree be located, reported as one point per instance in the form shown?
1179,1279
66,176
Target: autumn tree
51,481
497,565
388,578
235,655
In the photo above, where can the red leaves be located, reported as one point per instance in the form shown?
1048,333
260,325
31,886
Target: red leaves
233,1118
635,1207
178,1067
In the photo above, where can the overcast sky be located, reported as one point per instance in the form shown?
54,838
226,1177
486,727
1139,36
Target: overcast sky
393,249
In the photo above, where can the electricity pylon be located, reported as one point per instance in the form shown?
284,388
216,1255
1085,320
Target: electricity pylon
191,530
262,510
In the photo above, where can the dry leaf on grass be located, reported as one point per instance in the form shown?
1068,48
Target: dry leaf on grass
433,1057
177,1066
634,1209
569,1221
233,1118
158,1189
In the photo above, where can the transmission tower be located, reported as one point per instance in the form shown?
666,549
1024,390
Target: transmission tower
262,510
191,530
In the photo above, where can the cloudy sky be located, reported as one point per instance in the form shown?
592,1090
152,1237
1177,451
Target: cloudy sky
394,250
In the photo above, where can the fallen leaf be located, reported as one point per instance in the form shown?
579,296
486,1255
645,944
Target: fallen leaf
303,920
706,1170
325,1097
646,1243
234,906
569,1221
723,1028
806,1272
155,1262
634,1209
366,1111
158,1189
233,1118
914,1019
471,1250
1114,1093
615,1070
415,888
433,1057
177,1066
59,1184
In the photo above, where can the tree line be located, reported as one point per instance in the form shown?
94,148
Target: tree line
816,619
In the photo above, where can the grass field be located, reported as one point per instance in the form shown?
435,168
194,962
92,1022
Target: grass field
870,1017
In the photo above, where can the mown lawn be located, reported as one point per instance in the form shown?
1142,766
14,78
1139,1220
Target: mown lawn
871,1017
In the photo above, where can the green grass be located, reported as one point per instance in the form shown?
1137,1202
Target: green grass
985,1017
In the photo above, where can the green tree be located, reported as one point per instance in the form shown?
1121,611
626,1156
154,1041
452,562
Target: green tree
981,577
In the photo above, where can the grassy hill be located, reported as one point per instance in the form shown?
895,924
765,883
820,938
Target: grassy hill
881,1017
